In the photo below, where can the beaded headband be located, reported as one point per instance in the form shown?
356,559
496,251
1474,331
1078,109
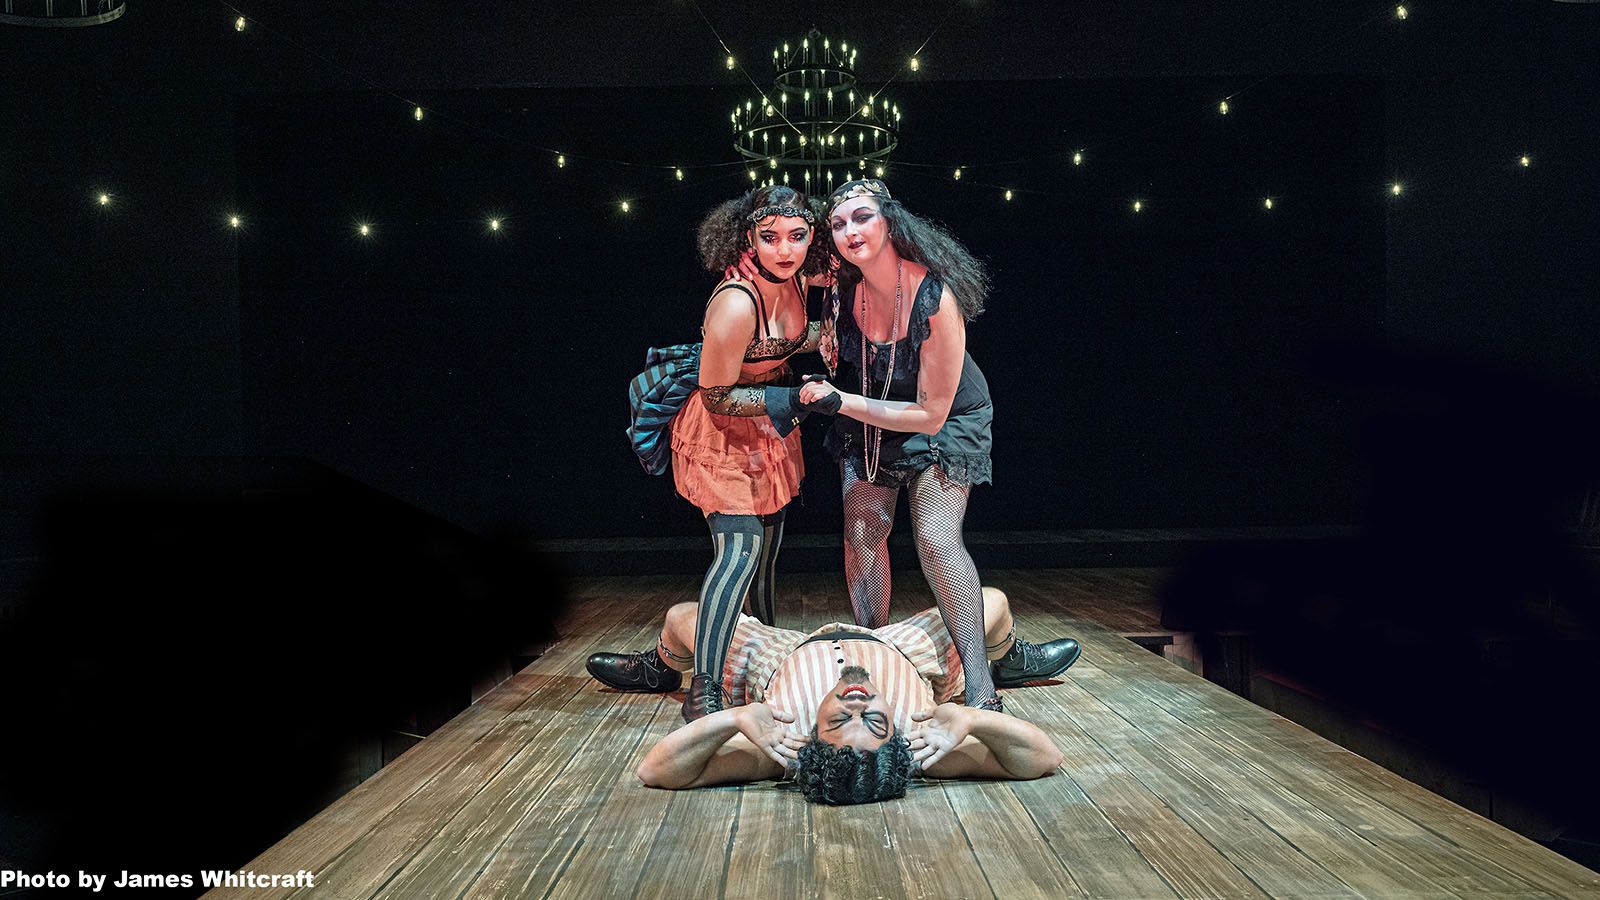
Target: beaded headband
866,187
767,212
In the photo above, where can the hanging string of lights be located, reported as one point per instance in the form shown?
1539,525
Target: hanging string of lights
805,121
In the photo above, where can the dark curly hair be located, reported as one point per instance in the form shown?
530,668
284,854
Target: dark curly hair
842,775
725,232
922,241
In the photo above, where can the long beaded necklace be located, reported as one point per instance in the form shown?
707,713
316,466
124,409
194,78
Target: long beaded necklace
871,437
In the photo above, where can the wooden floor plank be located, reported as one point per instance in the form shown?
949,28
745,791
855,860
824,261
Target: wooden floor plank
1006,842
933,858
1170,787
320,844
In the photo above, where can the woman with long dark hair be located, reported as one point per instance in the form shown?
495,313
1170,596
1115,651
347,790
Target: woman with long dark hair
920,422
736,451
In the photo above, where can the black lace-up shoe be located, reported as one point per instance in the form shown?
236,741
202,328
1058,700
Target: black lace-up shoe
1026,662
703,698
634,672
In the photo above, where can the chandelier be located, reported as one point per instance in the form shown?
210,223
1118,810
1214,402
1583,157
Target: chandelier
817,126
52,13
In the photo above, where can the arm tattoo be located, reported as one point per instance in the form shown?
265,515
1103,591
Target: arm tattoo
922,396
813,337
736,400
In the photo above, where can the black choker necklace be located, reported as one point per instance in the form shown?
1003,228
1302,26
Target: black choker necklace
768,275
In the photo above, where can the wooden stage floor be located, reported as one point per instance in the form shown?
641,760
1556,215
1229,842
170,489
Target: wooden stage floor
1171,787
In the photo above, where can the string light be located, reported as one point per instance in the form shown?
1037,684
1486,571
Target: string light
730,63
958,174
417,114
625,206
1395,189
752,173
1400,12
364,230
494,224
1525,161
1008,195
915,65
1223,107
866,109
561,161
233,221
1138,205
879,170
238,24
1077,158
1267,203
104,199
678,173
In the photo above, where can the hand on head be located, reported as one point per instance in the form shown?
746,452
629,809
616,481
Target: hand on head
937,731
763,726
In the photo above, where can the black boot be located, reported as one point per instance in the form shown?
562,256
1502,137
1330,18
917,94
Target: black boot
1026,662
704,697
634,672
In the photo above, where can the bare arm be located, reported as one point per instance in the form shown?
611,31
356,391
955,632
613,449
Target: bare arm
711,750
962,742
730,325
938,377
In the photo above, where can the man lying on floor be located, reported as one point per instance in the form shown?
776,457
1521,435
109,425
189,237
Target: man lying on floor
851,715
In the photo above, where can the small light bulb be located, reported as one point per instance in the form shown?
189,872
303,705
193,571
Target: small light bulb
1268,202
752,174
494,224
1223,107
748,105
365,229
233,221
786,178
678,173
1138,205
772,162
1400,12
958,174
802,140
1077,158
866,109
915,64
105,199
824,43
830,140
844,47
770,110
561,161
625,206
1395,189
861,164
1008,196
730,63
417,114
879,171
1525,161
808,173
238,24
808,96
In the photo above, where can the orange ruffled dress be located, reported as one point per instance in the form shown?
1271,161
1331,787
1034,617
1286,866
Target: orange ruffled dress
738,465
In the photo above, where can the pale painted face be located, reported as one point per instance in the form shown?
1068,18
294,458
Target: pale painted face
859,229
853,713
781,243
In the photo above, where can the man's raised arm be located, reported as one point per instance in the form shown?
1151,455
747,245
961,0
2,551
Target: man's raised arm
719,749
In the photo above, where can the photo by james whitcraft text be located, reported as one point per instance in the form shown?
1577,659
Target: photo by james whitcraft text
209,878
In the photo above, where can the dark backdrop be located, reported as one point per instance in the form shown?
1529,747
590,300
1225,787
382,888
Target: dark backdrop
1148,369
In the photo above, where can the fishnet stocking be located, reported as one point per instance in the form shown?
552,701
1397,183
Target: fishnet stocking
868,516
938,507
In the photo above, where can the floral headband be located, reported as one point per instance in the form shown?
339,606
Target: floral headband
767,212
866,187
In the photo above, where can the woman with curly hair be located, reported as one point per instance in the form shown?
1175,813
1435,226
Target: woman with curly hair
920,422
735,448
